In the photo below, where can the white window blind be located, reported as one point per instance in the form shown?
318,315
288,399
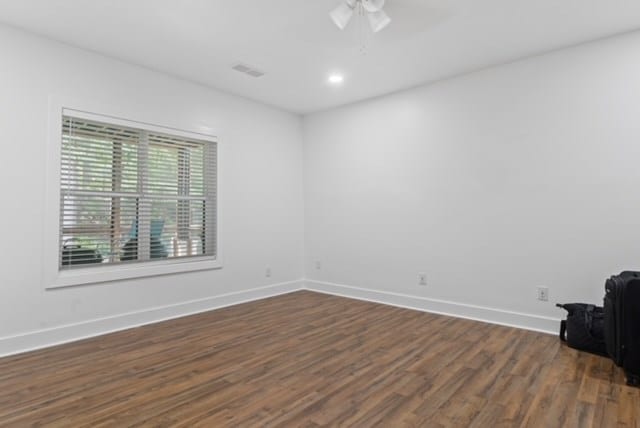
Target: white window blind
130,195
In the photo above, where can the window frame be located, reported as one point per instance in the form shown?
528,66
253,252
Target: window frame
53,277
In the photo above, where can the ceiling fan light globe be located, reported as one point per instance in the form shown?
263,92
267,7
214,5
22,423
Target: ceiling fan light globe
373,5
341,15
378,20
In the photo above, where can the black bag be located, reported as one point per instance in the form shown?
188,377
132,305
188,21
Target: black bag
584,328
74,254
622,323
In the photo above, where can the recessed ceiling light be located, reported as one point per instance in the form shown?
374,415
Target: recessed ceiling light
336,79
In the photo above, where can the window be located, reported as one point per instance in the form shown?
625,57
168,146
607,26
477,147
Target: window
133,195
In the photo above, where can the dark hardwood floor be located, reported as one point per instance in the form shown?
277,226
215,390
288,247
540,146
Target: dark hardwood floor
307,359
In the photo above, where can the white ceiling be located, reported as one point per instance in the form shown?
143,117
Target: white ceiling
297,45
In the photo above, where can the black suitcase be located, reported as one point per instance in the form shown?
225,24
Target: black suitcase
622,323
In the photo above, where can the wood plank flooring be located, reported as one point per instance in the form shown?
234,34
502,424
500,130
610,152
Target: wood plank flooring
307,360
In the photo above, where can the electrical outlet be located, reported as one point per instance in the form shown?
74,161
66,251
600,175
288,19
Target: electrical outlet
318,265
267,272
422,279
543,294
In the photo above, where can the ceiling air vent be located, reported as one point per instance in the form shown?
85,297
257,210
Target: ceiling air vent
243,68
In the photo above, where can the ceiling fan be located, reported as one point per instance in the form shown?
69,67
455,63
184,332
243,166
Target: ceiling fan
342,14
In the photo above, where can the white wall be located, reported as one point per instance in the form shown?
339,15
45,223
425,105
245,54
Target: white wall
261,201
492,183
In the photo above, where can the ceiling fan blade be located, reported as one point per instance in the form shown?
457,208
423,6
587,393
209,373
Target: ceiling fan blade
373,5
378,20
342,14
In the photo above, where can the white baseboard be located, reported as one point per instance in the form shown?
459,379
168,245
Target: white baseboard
39,339
477,313
30,341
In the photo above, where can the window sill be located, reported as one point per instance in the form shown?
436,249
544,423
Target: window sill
94,275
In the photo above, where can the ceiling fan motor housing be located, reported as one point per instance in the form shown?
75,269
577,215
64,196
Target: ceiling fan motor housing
372,5
342,14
